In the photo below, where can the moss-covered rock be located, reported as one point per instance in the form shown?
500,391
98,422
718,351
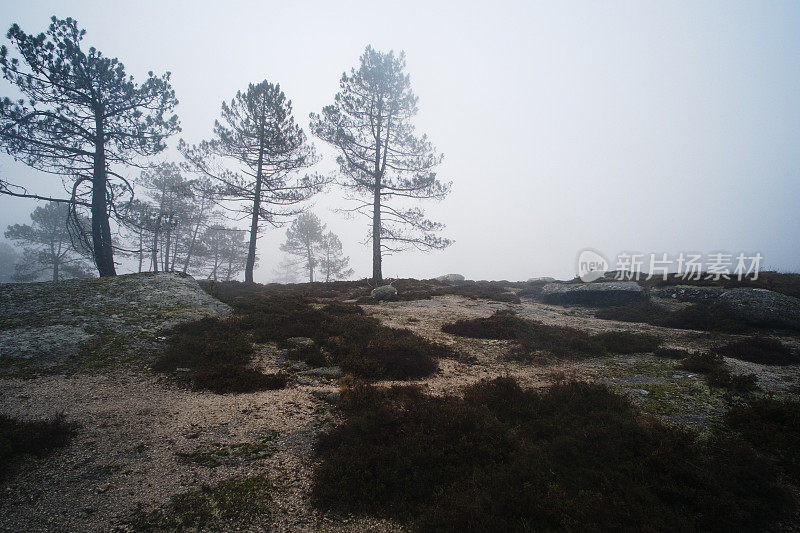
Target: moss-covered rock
58,323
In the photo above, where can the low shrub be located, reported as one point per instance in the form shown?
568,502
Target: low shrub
702,363
212,354
343,335
671,353
341,308
392,354
20,438
696,316
760,350
717,373
626,342
773,426
500,325
639,311
740,383
702,317
572,456
532,337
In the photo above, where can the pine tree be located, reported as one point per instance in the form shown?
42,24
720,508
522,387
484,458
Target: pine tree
257,131
47,245
332,262
82,116
224,251
380,157
172,204
304,239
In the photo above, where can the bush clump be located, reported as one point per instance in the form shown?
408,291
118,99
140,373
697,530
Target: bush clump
501,325
773,426
343,336
572,456
393,354
19,438
717,373
702,362
671,353
760,350
212,354
696,316
626,342
532,337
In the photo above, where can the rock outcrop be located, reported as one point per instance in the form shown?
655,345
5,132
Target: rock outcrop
384,292
451,278
52,321
760,307
593,294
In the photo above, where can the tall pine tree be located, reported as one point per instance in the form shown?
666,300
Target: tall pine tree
381,159
257,131
82,117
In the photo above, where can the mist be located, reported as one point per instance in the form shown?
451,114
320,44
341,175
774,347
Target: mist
655,128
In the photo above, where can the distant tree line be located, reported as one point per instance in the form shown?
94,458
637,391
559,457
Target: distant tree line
82,117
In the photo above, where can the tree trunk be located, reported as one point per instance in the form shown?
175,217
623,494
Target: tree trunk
141,249
216,266
194,235
377,270
55,269
377,273
167,240
310,264
174,252
155,250
101,229
251,250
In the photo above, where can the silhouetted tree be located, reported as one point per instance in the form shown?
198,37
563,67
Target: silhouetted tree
286,271
224,250
47,245
380,156
140,219
201,214
172,197
81,116
304,239
333,264
9,257
257,130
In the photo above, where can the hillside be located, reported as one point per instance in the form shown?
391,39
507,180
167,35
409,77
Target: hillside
153,420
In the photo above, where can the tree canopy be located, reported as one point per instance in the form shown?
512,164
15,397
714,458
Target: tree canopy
82,117
380,156
47,245
258,132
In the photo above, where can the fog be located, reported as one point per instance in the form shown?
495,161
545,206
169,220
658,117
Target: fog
618,126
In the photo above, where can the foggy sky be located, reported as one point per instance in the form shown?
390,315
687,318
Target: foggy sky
620,126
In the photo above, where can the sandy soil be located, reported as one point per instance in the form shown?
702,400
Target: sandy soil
133,424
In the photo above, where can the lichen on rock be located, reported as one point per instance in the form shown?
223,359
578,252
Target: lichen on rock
50,323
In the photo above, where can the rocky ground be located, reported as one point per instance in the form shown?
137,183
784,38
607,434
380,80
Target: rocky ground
49,324
141,439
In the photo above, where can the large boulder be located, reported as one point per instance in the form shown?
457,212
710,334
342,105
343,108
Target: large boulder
688,293
384,292
451,278
593,294
47,323
760,307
